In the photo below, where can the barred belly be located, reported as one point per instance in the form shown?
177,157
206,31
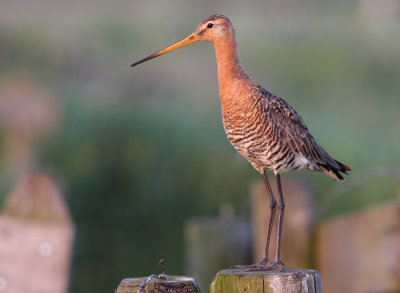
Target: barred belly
257,143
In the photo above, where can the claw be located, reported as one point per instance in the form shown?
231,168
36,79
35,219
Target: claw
260,266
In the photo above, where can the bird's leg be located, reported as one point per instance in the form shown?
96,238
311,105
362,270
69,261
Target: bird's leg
272,205
281,207
262,264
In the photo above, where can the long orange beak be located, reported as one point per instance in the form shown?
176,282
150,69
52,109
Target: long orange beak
189,40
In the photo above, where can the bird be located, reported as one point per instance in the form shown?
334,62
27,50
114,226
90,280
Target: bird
261,126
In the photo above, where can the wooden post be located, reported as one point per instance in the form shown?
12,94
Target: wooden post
36,238
287,281
360,252
158,283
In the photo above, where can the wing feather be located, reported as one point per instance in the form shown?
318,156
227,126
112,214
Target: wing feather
297,137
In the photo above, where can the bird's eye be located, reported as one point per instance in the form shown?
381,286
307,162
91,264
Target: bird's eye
210,25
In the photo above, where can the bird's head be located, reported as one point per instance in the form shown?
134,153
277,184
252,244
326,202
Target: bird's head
212,29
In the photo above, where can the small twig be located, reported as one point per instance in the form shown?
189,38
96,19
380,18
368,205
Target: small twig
161,264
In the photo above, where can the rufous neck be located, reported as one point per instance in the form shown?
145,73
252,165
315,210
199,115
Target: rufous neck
229,69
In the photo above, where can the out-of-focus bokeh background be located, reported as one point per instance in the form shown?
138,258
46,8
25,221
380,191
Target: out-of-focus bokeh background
137,152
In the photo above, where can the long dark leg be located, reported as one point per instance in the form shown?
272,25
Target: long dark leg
262,264
281,208
272,205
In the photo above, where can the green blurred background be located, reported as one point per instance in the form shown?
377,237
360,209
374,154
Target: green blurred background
138,151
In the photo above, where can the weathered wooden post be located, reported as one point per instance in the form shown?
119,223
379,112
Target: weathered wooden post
36,238
158,283
360,252
287,281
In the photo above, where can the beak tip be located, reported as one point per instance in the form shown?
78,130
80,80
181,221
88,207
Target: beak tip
191,39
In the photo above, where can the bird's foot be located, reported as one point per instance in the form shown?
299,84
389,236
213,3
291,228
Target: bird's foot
260,266
248,268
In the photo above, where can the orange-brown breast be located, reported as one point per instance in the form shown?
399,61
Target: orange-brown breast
249,129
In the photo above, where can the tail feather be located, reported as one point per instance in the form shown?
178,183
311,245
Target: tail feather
344,167
333,170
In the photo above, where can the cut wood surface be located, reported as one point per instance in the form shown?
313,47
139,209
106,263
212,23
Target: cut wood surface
288,281
158,283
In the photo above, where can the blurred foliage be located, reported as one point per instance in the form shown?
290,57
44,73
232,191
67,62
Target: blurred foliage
135,180
140,150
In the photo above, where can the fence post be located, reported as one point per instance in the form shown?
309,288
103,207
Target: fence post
289,280
158,283
36,238
359,252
